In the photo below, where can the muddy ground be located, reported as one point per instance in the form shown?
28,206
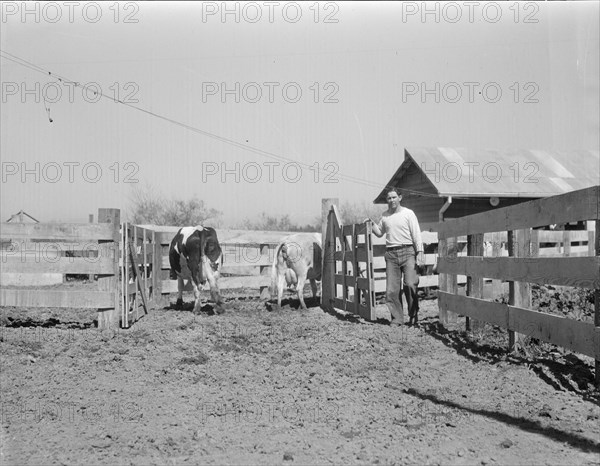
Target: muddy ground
254,386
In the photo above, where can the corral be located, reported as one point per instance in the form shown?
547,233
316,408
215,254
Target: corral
316,386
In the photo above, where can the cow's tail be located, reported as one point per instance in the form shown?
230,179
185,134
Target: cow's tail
275,271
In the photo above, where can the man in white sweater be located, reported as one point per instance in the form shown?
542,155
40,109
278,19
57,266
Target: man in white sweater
403,248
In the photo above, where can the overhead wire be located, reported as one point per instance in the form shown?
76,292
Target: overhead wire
256,150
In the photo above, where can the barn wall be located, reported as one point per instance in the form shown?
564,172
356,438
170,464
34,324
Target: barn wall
412,179
426,203
415,180
464,207
426,208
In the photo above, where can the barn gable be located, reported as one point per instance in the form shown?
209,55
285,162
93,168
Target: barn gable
479,180
21,217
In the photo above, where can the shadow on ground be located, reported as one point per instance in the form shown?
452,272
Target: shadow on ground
523,423
567,373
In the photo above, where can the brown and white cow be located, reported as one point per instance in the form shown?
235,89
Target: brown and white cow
195,255
297,258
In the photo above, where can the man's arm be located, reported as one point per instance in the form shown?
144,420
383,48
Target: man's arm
375,228
415,232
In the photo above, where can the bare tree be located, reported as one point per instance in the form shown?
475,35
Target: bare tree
352,212
273,223
149,206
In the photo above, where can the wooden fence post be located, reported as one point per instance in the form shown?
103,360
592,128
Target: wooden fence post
451,279
157,274
474,284
344,272
497,288
519,295
146,266
328,277
370,296
326,204
442,278
125,275
597,305
448,249
535,243
110,317
566,243
91,276
153,270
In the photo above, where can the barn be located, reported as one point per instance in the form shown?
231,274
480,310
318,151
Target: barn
21,217
441,182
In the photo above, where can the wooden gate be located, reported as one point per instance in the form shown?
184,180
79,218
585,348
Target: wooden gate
137,272
348,283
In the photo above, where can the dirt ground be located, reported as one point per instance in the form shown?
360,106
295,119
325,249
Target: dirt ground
260,386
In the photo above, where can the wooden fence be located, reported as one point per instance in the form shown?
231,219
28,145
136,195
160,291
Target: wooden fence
65,248
427,280
523,266
131,263
348,276
354,266
139,276
570,243
247,259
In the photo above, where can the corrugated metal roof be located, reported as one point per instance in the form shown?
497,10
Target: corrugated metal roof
527,173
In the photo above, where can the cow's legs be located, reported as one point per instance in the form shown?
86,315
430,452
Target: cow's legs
212,276
179,303
300,289
280,284
313,286
198,303
215,294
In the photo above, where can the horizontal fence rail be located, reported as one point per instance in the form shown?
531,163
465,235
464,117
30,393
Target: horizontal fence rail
565,208
491,259
128,265
348,282
246,263
576,268
578,336
32,253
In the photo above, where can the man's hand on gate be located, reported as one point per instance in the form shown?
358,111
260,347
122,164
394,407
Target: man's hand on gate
420,259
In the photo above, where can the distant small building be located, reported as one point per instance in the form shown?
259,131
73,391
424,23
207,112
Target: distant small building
22,217
439,182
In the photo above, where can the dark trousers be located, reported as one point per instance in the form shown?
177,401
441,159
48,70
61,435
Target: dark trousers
400,267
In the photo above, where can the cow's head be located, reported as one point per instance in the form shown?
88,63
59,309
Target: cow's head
202,242
210,244
209,247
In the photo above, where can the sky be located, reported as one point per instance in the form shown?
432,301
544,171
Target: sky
270,107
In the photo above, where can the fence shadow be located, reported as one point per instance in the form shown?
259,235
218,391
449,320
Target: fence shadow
572,375
581,443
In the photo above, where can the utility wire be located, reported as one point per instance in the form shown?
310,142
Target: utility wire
256,150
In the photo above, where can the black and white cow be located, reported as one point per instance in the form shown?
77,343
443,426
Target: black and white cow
195,255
